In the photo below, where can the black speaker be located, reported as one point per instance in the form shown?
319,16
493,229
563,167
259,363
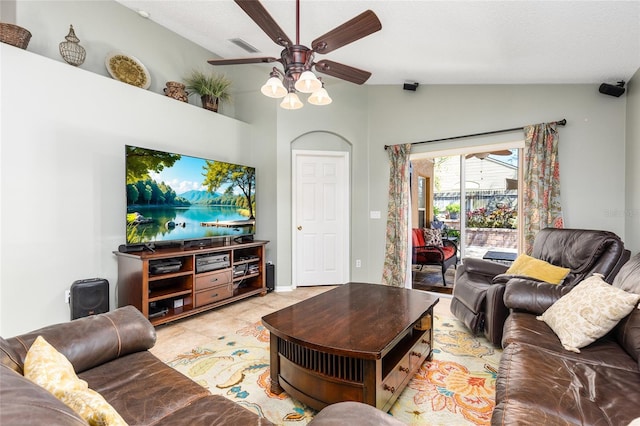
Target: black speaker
410,86
611,90
89,297
271,277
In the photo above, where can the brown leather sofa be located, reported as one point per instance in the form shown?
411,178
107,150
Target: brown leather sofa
109,351
480,284
539,382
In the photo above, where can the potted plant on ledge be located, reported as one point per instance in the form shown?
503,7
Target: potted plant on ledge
212,88
454,210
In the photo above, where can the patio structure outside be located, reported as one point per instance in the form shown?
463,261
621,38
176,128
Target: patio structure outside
490,203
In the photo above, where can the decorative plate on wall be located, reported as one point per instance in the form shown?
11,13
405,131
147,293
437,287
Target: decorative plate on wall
127,69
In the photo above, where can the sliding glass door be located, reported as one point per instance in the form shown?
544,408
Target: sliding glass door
481,215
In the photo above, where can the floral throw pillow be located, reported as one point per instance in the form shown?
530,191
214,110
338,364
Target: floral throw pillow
432,237
47,367
588,312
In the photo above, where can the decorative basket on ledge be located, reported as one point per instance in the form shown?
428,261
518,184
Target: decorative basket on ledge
14,35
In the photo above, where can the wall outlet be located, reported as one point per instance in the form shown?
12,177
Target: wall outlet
67,296
358,263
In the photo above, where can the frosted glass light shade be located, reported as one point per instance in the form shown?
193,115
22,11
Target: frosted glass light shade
320,97
291,101
308,83
274,88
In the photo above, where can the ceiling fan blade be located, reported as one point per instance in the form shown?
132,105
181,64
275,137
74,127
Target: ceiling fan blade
260,16
361,26
345,72
483,155
501,152
239,61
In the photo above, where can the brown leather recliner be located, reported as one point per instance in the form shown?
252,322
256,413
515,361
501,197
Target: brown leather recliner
479,285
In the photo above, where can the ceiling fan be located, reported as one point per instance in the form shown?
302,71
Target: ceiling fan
298,60
483,155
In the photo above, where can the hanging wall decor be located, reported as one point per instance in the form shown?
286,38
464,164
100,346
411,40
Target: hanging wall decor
71,50
127,69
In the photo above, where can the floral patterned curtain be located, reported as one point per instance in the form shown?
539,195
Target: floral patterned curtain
397,245
541,190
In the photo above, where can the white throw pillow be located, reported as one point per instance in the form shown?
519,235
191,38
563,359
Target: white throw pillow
588,312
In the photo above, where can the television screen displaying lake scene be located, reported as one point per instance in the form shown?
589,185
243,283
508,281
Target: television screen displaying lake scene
176,197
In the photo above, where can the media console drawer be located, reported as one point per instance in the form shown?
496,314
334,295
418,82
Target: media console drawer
215,294
204,281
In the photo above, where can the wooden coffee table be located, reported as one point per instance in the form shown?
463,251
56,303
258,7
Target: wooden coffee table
357,342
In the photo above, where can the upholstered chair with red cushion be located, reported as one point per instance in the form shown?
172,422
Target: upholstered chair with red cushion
435,251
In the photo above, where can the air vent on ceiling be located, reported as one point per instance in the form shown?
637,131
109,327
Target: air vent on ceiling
243,45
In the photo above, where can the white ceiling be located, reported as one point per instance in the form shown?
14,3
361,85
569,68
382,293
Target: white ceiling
435,42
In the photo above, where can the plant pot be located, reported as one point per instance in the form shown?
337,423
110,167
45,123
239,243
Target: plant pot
209,102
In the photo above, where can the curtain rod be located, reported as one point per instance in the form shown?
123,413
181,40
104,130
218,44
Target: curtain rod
493,132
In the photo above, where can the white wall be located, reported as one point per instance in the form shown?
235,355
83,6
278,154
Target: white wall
345,118
62,175
104,26
592,144
632,207
592,149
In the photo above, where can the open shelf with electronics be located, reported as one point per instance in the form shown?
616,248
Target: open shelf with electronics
248,269
173,283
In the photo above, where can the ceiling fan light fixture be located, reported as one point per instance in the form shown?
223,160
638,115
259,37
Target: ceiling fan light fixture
320,97
291,101
274,88
308,83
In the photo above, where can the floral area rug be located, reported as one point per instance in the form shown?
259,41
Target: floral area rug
456,387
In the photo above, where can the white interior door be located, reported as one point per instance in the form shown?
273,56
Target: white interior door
320,217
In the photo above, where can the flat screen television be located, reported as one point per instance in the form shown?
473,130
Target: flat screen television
174,198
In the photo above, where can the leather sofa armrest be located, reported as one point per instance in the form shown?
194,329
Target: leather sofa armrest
94,340
532,296
22,402
353,413
484,267
496,313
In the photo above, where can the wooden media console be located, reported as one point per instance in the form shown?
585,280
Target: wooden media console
167,284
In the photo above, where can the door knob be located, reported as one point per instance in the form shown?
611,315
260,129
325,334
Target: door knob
299,228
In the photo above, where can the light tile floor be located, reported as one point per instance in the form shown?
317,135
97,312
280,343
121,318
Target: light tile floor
181,336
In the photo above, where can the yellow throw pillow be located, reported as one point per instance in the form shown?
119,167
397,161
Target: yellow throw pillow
539,269
588,312
47,367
